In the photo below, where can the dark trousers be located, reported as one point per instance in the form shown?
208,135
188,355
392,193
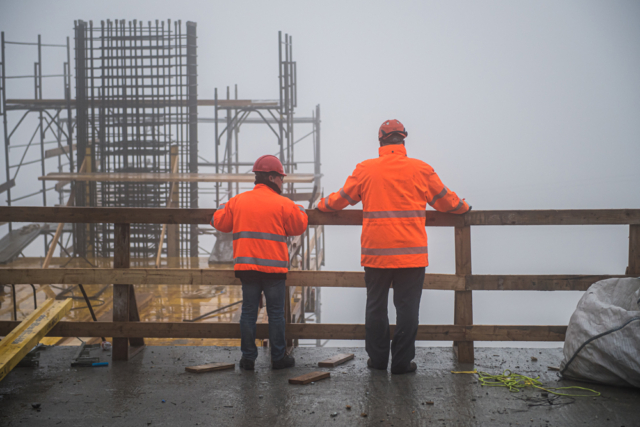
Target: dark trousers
274,293
407,289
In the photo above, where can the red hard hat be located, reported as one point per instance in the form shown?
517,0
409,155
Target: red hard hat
391,126
268,163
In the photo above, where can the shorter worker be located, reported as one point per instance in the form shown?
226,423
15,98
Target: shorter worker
261,220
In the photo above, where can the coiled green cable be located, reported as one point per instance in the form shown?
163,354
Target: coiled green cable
516,382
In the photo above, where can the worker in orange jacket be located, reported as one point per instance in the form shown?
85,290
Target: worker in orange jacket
261,220
394,190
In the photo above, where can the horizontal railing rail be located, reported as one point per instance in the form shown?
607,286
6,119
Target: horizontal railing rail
330,279
295,331
86,215
126,324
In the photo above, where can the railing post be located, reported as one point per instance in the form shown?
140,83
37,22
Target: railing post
121,292
124,299
463,305
287,314
634,250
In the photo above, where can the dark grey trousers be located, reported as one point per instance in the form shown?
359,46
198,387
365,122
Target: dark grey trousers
407,290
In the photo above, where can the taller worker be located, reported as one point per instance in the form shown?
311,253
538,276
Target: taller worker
394,190
261,220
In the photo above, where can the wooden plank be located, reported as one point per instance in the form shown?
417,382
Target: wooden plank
26,334
633,267
59,228
554,217
172,243
309,378
166,177
92,215
354,217
332,279
210,367
134,316
557,282
463,303
296,331
130,103
299,197
88,215
58,151
182,276
336,360
7,185
345,217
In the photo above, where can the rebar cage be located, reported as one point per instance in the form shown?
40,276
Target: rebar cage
136,97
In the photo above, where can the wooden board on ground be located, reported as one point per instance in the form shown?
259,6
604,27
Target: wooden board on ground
309,378
217,366
336,360
29,332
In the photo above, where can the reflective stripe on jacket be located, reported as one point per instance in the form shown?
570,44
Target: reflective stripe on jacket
260,220
394,190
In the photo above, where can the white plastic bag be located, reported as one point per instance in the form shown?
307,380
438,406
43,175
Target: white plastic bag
603,338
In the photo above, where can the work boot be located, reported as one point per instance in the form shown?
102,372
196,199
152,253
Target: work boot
286,362
371,365
247,364
412,368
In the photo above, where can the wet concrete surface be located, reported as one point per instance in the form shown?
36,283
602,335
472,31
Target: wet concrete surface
153,389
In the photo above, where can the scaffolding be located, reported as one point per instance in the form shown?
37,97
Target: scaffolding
133,142
52,138
278,119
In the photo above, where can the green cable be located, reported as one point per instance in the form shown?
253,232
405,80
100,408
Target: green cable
515,382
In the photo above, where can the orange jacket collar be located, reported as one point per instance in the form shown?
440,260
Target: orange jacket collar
264,187
393,148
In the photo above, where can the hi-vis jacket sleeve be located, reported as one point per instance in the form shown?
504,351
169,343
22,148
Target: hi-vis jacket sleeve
297,221
349,194
441,198
223,218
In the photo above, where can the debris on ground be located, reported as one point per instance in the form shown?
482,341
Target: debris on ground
534,359
348,407
546,401
335,414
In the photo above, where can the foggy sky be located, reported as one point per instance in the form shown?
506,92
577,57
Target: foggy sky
517,105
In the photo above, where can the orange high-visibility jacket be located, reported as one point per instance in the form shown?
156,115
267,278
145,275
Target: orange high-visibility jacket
394,190
260,220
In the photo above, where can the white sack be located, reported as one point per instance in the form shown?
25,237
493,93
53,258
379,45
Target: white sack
603,338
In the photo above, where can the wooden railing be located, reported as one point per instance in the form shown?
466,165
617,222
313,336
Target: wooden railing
127,327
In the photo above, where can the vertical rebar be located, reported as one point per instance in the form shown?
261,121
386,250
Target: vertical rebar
192,84
281,103
216,143
5,127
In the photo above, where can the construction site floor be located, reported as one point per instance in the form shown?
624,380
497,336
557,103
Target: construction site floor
153,389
